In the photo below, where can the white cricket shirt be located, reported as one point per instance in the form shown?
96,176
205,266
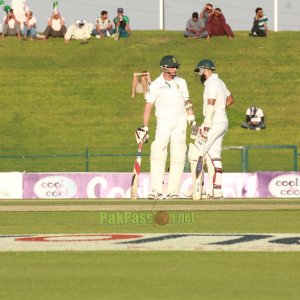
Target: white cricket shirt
215,88
168,96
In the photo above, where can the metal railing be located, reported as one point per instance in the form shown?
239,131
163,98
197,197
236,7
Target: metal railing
248,158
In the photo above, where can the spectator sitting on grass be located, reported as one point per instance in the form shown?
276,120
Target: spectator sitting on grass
260,24
78,31
122,28
29,26
11,26
255,119
55,27
104,27
216,25
193,27
205,14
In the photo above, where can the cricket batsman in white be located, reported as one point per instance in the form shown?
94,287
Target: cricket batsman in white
216,97
173,109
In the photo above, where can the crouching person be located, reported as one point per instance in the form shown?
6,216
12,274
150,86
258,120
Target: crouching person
78,31
255,119
11,26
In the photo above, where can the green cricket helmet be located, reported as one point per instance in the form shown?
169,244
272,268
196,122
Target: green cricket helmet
205,64
169,61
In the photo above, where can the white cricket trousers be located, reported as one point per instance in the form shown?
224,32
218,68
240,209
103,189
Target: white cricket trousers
173,131
213,144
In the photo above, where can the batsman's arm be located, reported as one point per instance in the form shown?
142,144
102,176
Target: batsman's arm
147,113
190,112
209,114
229,100
191,119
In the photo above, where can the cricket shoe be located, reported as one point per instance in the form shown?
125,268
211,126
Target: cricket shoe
189,194
215,196
116,36
172,196
154,195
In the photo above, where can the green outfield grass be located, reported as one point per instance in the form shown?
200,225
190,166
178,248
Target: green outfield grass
212,222
150,275
57,98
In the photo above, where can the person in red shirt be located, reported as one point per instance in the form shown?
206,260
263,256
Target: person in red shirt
217,26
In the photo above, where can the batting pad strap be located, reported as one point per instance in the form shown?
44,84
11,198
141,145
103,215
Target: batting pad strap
209,114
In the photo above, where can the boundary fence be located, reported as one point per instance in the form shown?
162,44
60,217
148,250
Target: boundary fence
247,158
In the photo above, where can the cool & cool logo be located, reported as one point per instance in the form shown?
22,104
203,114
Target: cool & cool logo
55,187
285,186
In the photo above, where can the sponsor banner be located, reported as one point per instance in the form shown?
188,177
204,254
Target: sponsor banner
117,185
278,184
151,241
11,185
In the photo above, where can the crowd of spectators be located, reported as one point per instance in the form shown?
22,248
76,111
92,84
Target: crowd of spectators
211,22
20,21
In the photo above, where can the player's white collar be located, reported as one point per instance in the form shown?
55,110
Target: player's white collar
212,76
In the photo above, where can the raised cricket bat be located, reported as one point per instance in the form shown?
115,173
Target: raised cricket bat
136,172
197,193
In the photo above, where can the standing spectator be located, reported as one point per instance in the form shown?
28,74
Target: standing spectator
216,97
205,13
122,28
169,94
104,27
260,24
193,27
29,26
255,119
55,27
11,26
20,8
216,25
78,31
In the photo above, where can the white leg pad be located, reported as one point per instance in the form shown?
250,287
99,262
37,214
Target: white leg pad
214,167
217,180
158,158
211,174
177,161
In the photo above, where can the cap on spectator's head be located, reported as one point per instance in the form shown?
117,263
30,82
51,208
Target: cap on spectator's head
195,15
80,22
120,10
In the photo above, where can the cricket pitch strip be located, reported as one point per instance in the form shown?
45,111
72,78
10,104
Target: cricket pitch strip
148,205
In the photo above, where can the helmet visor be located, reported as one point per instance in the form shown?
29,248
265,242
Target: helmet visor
199,70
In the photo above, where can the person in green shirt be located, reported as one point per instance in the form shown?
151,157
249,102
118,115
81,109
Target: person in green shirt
121,22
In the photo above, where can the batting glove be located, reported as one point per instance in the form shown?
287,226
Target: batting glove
203,134
141,134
